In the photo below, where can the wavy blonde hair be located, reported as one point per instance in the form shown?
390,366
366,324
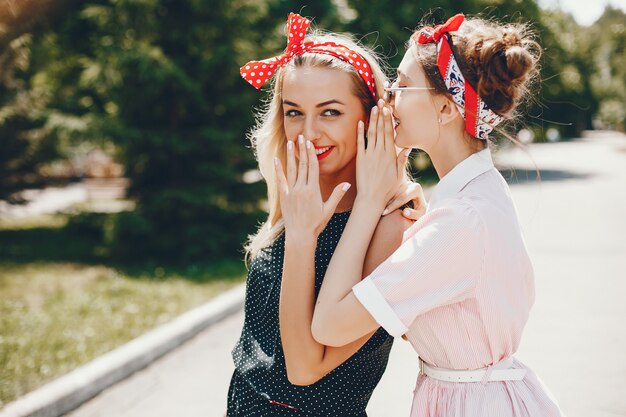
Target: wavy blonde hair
268,136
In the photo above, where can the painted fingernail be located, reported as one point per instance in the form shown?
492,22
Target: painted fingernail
346,186
385,212
300,139
308,144
385,111
289,145
406,212
360,124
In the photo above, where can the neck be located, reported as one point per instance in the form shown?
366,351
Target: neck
448,153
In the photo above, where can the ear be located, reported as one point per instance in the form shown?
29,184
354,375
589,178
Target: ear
448,111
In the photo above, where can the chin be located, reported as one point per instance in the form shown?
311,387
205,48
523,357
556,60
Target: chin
403,141
400,141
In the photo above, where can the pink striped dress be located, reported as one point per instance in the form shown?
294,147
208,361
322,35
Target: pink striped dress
460,288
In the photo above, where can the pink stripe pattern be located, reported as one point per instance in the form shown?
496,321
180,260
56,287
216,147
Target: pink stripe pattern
460,289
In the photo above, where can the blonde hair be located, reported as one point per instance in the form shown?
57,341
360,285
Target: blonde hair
268,136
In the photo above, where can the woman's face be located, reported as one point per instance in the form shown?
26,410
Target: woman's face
414,110
318,103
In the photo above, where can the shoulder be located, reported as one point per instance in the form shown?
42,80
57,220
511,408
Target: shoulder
387,238
460,214
391,227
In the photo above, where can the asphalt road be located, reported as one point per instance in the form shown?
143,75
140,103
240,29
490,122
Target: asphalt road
574,220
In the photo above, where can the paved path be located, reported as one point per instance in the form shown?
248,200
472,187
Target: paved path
575,226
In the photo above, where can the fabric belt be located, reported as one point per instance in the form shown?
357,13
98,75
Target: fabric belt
500,371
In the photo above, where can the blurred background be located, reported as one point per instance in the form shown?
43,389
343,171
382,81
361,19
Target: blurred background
127,184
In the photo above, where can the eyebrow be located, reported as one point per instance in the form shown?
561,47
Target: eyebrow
325,103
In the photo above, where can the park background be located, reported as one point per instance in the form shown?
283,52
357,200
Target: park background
127,184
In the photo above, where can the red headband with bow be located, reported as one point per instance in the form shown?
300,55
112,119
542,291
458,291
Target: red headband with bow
430,34
258,72
479,118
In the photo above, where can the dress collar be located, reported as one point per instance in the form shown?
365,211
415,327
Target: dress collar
465,171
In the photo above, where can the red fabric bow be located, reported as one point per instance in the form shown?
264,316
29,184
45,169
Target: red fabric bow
429,34
258,72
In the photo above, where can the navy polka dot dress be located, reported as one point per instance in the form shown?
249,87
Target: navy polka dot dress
259,386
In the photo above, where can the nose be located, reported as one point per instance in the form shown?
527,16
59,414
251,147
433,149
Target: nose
311,129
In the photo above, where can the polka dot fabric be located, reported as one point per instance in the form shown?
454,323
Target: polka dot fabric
258,72
259,386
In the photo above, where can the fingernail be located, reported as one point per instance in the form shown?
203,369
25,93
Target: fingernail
360,124
300,139
276,161
381,102
406,211
346,186
308,144
289,145
407,153
385,212
385,111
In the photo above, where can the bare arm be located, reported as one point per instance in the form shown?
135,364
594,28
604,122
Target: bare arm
308,360
305,217
339,317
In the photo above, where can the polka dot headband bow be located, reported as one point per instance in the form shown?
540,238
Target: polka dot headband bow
479,119
258,72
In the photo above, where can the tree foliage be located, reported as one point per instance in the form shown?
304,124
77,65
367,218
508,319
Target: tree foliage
159,80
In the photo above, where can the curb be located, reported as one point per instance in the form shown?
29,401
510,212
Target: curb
73,389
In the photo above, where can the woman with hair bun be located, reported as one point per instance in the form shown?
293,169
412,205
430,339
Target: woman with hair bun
461,285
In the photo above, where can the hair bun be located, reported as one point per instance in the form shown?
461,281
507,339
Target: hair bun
502,62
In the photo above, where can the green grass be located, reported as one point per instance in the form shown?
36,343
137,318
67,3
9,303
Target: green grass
61,306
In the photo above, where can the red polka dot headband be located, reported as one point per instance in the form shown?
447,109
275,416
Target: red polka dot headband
479,119
258,72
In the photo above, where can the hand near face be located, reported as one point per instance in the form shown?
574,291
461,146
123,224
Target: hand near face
380,171
304,212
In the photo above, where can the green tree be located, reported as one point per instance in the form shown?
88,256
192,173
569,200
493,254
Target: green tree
180,113
162,74
608,37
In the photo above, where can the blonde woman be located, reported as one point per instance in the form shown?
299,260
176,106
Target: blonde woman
323,85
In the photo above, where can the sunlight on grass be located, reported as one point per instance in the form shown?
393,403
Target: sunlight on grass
57,316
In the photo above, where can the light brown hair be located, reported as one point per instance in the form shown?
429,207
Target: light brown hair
501,62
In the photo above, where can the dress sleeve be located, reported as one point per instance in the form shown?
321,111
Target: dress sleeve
439,263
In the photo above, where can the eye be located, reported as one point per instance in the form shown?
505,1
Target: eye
331,113
292,113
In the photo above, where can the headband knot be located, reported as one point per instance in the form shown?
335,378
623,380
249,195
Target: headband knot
258,72
430,34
